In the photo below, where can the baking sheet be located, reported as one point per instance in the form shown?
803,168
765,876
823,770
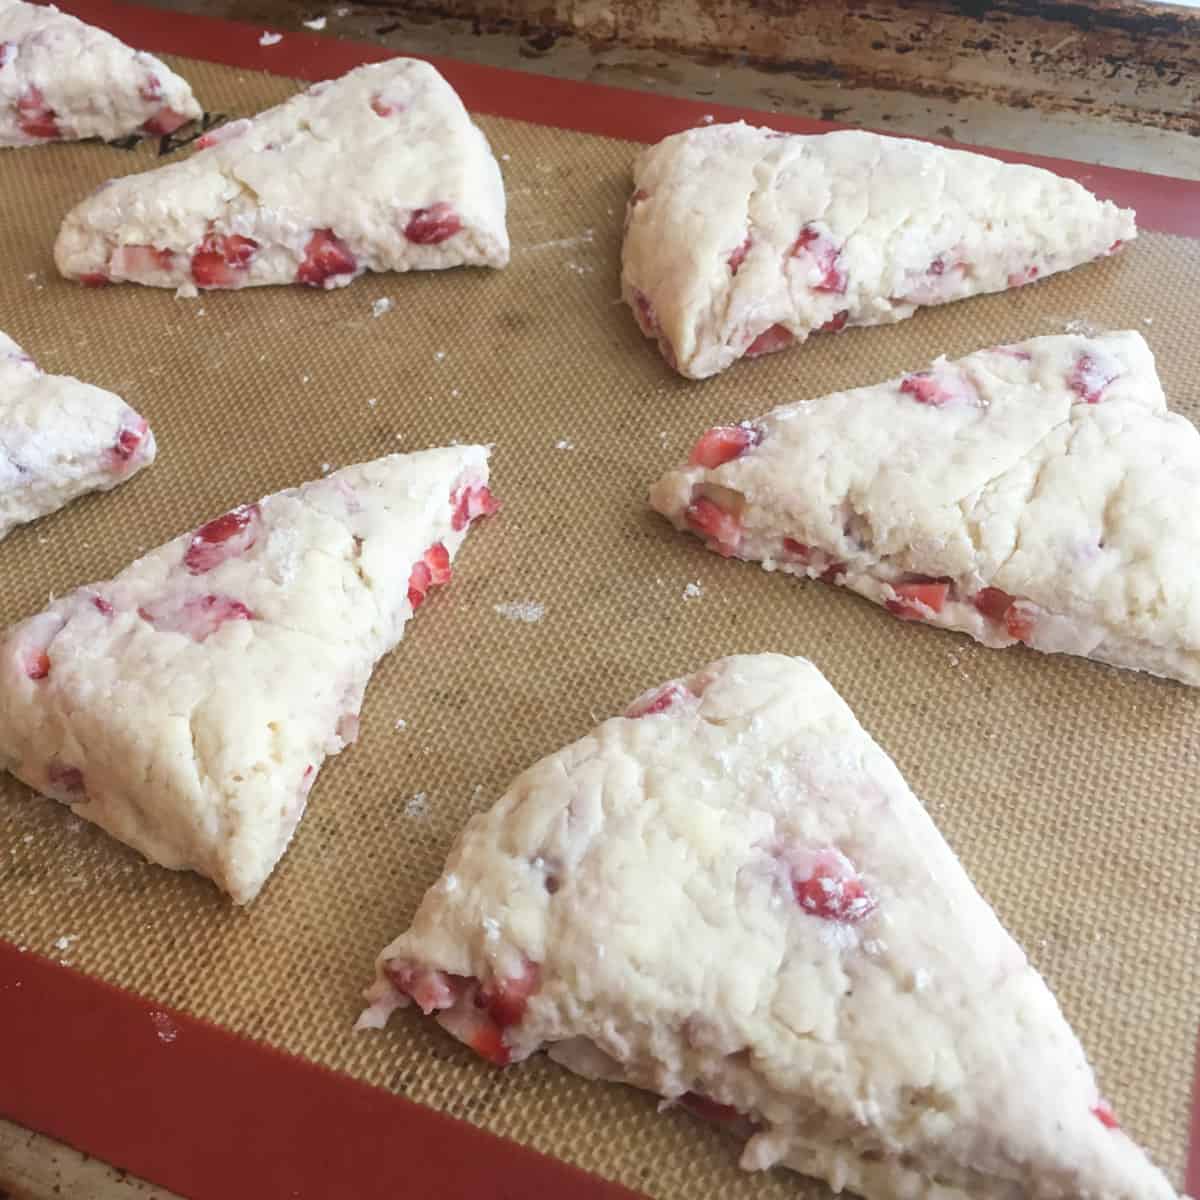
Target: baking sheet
1064,786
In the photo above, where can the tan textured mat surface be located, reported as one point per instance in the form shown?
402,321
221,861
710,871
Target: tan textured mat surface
1067,788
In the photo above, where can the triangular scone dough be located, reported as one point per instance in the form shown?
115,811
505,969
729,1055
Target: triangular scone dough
186,705
1039,492
731,897
380,170
60,438
741,241
61,80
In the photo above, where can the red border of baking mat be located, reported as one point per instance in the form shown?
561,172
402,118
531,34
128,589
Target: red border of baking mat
207,1113
214,1115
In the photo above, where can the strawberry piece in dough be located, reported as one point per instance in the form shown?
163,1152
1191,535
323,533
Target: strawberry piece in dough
432,570
128,441
723,444
140,260
94,279
1018,619
433,225
37,663
226,537
1105,1115
805,553
738,256
1091,374
165,121
829,887
707,1108
223,260
431,989
63,778
777,337
506,999
35,117
199,617
714,514
469,503
658,701
826,254
915,600
326,257
836,323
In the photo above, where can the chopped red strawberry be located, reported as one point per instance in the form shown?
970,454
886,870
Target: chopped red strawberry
227,537
1115,247
914,601
223,260
830,888
723,444
738,256
151,89
214,137
437,559
506,999
638,196
643,311
836,323
325,257
1027,275
721,528
63,778
198,617
797,549
925,389
95,279
384,106
102,606
419,581
131,261
165,121
37,664
1091,374
992,602
433,225
710,1110
805,553
488,1042
1105,1115
777,337
653,703
1020,623
128,441
826,254
433,990
35,117
470,503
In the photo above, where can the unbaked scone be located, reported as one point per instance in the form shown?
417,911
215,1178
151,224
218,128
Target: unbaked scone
1038,492
380,170
61,80
740,241
186,705
60,439
730,897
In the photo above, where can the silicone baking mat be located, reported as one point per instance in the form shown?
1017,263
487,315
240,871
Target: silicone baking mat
1066,787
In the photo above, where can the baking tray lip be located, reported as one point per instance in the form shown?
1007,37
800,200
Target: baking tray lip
1163,203
187,1108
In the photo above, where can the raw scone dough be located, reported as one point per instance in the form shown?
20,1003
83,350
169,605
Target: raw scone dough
741,241
380,170
186,705
1039,492
60,438
61,80
730,897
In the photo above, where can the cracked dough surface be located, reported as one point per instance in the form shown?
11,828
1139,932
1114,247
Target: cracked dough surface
731,897
186,704
60,439
743,240
1039,492
382,166
63,79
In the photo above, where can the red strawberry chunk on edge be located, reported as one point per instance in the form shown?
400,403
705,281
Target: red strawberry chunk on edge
721,529
469,503
37,664
925,389
222,260
738,256
65,778
710,1110
128,441
836,323
165,121
433,225
777,337
35,118
325,257
1104,1114
826,254
915,600
506,999
659,701
1090,375
997,605
225,537
722,444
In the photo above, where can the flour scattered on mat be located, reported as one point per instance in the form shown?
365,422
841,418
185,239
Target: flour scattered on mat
63,944
270,39
317,23
326,468
1080,326
528,611
563,444
438,355
401,724
371,402
416,806
693,591
164,1028
381,306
